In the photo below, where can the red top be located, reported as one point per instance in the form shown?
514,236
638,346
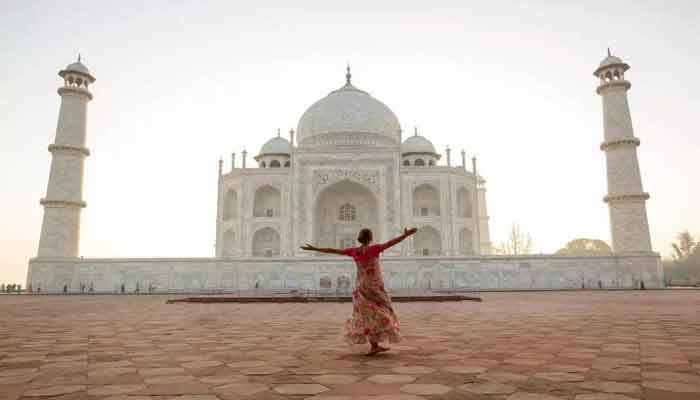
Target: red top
370,253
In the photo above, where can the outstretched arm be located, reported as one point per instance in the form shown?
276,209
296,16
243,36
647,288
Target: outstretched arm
328,250
406,233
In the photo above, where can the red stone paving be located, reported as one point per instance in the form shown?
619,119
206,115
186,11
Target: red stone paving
583,345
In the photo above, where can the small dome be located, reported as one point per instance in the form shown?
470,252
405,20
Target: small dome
77,67
417,144
276,145
610,60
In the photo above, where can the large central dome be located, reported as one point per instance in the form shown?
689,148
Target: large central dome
348,116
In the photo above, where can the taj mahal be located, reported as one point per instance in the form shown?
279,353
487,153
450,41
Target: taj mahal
349,170
348,165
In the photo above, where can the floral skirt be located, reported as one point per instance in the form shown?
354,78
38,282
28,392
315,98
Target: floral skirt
373,318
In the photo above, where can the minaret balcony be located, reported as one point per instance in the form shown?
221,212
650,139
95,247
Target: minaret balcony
614,84
74,90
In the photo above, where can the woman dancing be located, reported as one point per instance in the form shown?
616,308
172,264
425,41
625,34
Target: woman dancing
373,317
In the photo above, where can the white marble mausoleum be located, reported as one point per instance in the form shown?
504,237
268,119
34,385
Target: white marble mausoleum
347,166
350,169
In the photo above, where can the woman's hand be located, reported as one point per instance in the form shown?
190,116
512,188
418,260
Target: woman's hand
308,247
409,231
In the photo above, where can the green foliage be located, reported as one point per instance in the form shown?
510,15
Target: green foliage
585,247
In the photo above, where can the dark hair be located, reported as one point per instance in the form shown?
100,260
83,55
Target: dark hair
365,236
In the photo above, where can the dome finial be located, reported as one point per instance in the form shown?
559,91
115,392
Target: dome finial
347,74
78,57
278,132
415,131
609,52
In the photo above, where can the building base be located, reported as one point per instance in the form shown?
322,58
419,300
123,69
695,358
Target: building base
154,275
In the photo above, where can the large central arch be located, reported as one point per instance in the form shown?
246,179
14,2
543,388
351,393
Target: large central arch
341,210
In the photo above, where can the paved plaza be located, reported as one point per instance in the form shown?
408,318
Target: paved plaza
582,345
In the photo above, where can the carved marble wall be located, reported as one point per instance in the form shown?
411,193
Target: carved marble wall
216,274
246,197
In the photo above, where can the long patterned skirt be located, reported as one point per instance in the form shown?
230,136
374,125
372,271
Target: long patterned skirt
373,317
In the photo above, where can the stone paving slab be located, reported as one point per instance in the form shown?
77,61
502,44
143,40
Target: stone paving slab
583,345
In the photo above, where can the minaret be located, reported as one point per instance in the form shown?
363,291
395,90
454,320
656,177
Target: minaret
626,198
60,230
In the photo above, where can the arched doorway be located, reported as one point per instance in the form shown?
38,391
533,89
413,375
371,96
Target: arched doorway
229,243
266,243
464,203
340,211
466,241
230,204
426,242
266,202
426,201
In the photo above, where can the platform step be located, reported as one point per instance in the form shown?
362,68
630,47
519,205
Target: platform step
315,299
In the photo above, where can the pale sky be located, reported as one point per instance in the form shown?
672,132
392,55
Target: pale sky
182,83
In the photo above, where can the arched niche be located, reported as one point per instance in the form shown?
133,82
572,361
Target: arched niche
266,243
464,203
427,242
230,205
426,201
267,202
229,247
341,210
466,241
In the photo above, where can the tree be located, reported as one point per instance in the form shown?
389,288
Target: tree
686,259
518,242
685,248
585,247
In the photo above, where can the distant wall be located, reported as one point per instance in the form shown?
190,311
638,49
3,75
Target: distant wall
220,274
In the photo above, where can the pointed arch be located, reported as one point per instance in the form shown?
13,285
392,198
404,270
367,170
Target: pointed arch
267,202
427,242
266,243
333,222
466,241
229,248
230,209
426,201
464,203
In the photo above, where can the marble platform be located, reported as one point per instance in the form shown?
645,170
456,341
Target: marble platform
187,275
